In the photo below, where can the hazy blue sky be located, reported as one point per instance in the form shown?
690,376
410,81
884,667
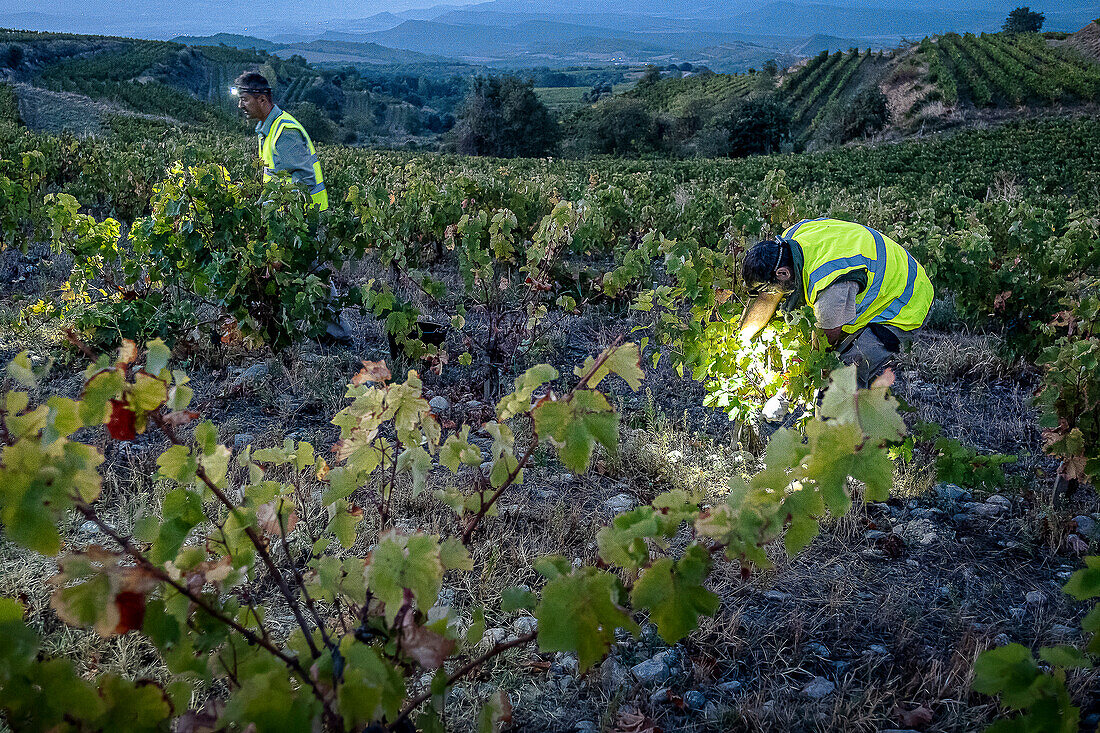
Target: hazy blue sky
301,18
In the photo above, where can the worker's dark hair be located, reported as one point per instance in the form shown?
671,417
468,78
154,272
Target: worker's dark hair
253,82
762,260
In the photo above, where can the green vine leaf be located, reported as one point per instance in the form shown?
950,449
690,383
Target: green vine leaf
579,612
674,593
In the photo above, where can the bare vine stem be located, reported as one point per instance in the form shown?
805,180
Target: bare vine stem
250,532
473,522
462,672
250,636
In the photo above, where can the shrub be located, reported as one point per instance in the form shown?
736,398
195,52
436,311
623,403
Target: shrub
866,113
503,117
1023,20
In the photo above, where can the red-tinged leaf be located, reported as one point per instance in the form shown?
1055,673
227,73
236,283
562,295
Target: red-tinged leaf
121,422
267,516
1001,301
916,718
428,648
886,379
180,417
1072,468
204,720
131,611
216,571
372,371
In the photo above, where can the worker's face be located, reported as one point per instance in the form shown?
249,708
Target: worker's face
256,106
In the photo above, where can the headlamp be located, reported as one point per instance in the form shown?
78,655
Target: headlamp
238,91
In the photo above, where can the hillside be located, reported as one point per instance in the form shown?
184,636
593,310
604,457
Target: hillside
963,75
189,84
942,81
330,50
1087,40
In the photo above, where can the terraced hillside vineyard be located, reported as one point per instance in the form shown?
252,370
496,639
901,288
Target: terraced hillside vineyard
993,69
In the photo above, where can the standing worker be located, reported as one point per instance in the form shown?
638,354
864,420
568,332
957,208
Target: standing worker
868,293
284,143
286,146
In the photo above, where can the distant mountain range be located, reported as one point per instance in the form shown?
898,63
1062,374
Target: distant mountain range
729,35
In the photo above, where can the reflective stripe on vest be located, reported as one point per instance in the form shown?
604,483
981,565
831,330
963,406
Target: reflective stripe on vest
898,290
267,154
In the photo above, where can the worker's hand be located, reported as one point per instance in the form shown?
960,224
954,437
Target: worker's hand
777,407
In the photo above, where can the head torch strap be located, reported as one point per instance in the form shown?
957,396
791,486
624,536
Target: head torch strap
254,90
779,241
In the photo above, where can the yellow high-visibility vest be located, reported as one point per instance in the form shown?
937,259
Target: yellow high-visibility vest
267,154
898,291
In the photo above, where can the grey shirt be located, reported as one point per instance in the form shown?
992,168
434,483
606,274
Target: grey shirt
291,151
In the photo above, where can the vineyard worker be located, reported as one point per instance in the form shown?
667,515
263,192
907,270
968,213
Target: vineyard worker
284,143
868,293
286,146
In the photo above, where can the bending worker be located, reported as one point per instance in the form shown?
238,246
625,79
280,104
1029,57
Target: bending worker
284,143
868,293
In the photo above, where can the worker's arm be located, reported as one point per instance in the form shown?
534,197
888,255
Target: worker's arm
292,155
758,313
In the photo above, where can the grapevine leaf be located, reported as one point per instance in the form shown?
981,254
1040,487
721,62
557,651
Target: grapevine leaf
552,566
1010,672
477,627
182,511
519,401
63,419
674,594
495,713
21,370
801,532
122,421
576,425
267,703
148,393
623,543
98,393
454,555
156,358
579,613
342,483
342,524
132,706
1085,583
372,688
514,598
178,464
405,562
1067,657
416,462
624,360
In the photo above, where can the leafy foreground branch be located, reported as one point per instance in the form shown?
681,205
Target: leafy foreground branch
366,629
